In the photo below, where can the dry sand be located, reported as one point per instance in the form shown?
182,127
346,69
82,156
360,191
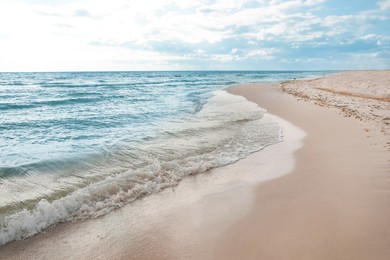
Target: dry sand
334,205
353,93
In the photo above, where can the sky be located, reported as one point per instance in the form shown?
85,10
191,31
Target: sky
102,35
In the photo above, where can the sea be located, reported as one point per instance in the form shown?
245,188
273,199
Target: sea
78,145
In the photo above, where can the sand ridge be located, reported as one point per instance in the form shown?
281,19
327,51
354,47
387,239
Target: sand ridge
364,95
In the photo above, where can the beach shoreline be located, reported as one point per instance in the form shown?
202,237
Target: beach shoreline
333,204
183,221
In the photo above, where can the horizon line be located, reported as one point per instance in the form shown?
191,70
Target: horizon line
286,70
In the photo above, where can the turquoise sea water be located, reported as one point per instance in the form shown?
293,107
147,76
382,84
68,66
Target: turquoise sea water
78,145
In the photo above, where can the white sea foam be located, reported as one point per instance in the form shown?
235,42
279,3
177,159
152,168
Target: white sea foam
227,129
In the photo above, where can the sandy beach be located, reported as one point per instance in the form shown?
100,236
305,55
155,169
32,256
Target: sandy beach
322,193
336,202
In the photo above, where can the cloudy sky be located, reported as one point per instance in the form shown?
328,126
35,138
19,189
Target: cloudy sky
74,35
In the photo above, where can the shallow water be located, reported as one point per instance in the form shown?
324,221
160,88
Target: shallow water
78,145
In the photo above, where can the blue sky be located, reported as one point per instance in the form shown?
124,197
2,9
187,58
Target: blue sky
72,35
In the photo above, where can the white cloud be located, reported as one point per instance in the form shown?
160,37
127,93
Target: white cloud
99,33
265,53
384,5
314,2
223,57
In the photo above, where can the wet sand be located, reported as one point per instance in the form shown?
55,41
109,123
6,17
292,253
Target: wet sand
333,204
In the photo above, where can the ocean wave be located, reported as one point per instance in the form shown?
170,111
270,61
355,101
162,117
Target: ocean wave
12,106
50,103
226,129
